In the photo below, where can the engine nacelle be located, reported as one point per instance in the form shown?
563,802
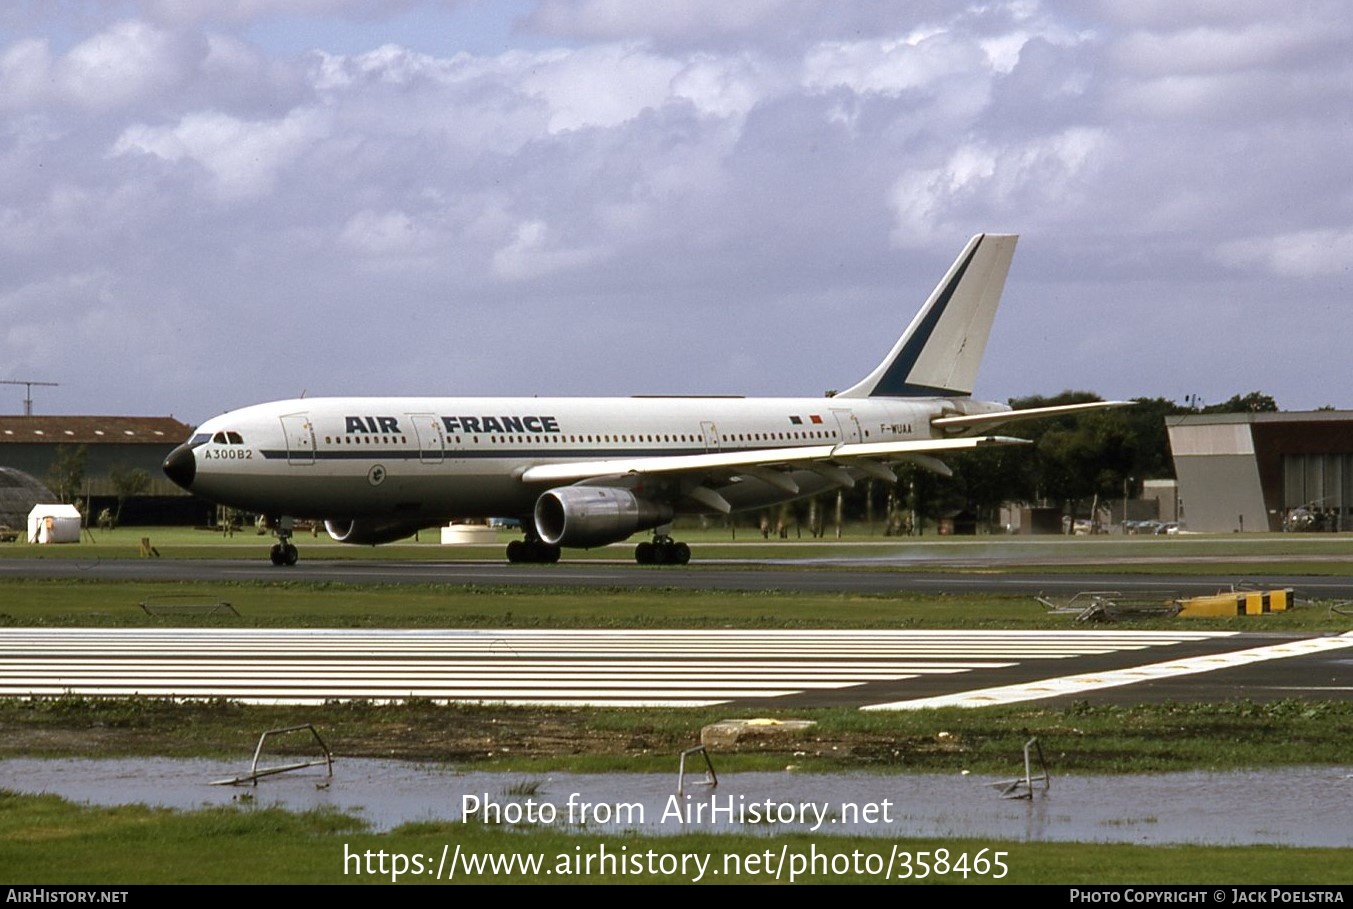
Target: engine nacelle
373,531
585,516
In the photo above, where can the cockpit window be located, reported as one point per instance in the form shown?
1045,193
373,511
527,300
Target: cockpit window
228,438
200,438
235,438
219,438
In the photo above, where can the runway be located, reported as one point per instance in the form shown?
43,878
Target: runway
862,669
878,670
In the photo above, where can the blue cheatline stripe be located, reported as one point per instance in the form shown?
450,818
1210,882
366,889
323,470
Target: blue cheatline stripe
894,381
413,454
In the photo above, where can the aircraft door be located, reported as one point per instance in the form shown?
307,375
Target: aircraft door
431,440
848,424
300,436
711,434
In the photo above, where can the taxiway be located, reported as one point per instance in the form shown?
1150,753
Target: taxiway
850,576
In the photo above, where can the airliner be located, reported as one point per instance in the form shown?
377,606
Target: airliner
589,472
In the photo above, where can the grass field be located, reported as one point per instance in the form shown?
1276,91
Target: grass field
46,840
299,604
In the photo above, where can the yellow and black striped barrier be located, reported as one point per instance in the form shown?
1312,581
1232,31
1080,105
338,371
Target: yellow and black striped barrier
1241,602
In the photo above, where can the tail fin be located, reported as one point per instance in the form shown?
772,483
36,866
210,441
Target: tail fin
940,351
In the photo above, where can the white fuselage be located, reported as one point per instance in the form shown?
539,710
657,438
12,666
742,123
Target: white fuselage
448,458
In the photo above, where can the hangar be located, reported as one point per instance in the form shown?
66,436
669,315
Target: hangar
1251,472
33,445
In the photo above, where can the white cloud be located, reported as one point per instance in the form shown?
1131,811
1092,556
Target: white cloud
386,233
1017,181
397,242
394,65
1163,15
244,159
891,65
190,12
61,222
1304,254
1208,49
602,86
25,74
42,316
724,86
611,20
123,65
533,253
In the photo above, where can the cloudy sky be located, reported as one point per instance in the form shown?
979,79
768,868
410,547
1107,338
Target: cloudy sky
210,203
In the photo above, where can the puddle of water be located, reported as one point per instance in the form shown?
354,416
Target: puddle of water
1305,806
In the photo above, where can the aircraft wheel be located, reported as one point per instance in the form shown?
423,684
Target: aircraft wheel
681,554
534,552
643,553
283,554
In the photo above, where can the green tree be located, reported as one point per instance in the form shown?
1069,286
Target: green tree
1254,402
1145,420
126,484
67,472
926,494
987,478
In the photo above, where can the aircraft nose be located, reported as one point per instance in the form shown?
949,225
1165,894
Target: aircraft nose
181,466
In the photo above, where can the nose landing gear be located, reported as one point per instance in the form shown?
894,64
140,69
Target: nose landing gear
283,552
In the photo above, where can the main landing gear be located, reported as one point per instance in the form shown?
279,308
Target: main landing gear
283,552
532,550
662,551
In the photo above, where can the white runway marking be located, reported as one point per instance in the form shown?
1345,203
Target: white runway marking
565,667
1077,684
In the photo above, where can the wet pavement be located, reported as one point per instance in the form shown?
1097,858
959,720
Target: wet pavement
1304,806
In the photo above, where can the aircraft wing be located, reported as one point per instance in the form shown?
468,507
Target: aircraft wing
988,420
760,462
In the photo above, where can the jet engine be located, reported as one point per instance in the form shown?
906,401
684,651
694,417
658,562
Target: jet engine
373,531
585,516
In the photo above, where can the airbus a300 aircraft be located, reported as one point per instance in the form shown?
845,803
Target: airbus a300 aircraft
586,472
